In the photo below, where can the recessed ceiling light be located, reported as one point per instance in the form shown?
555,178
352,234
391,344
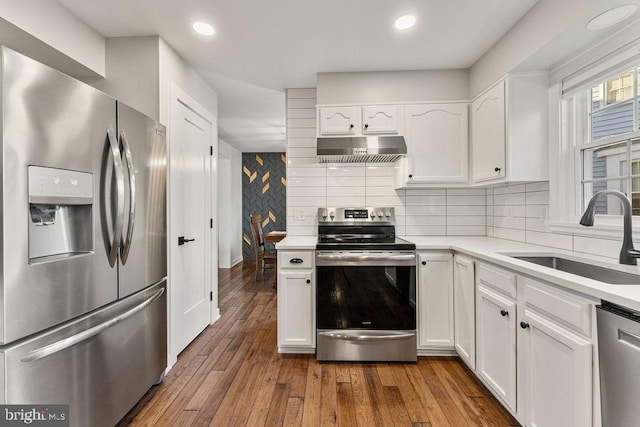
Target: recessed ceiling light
405,22
611,17
203,28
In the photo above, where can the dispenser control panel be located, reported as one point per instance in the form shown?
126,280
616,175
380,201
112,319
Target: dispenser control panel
59,186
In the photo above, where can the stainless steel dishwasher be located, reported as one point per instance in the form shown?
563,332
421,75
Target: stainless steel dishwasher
619,350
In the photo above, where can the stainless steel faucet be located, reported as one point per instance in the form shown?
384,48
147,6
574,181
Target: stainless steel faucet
628,254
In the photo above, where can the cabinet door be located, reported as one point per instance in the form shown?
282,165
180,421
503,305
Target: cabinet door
488,135
381,119
435,301
464,309
437,143
496,344
339,120
296,309
557,374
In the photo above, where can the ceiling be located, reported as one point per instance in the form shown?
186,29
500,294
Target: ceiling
263,47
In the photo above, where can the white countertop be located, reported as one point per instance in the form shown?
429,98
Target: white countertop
492,250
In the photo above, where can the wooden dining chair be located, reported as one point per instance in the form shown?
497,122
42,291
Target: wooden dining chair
264,259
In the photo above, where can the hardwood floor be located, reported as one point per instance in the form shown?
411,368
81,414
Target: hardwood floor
232,375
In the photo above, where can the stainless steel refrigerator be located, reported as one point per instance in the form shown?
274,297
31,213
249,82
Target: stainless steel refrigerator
83,279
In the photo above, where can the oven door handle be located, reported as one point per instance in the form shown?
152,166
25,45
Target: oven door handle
344,257
363,336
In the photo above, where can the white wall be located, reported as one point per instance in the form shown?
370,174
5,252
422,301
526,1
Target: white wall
59,31
540,26
229,205
392,86
173,69
132,73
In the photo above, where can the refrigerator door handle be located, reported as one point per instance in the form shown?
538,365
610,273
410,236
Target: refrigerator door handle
119,173
126,242
65,343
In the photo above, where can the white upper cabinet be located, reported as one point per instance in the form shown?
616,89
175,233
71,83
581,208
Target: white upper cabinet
437,145
358,121
509,130
488,135
381,119
339,121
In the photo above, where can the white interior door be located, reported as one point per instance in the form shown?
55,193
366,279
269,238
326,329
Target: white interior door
191,207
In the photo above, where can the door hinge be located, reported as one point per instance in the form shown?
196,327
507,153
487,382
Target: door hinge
211,223
211,296
211,150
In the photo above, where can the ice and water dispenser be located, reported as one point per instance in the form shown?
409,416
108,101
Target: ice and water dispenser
60,213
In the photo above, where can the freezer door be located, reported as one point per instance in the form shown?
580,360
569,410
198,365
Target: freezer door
100,365
143,254
53,122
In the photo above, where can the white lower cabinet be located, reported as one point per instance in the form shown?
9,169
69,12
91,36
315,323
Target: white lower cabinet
496,344
557,371
535,352
435,302
296,303
464,309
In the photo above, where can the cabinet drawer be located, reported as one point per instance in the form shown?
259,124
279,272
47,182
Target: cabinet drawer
570,310
294,259
496,278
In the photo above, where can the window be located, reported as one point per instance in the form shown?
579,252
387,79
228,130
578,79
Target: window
607,141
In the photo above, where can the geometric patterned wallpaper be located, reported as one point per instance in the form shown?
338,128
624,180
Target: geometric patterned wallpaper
264,191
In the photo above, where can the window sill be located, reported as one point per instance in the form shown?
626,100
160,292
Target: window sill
605,231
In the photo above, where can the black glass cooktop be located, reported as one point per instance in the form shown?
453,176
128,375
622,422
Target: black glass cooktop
361,238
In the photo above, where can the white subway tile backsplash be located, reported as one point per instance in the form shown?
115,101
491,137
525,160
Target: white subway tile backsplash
509,199
295,201
301,113
294,123
302,133
381,191
425,200
553,240
307,152
538,186
344,170
537,211
457,230
346,181
426,210
383,201
346,192
301,103
303,162
513,223
296,192
479,220
536,224
517,211
466,200
317,170
466,192
424,230
382,170
537,198
425,192
595,246
509,234
466,210
379,181
341,201
311,181
302,143
425,220
509,189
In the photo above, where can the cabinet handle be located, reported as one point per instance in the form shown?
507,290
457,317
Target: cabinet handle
504,313
497,169
296,261
351,126
524,325
410,176
424,262
366,125
308,280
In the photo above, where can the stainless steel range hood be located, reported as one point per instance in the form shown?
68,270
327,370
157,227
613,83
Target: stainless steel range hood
361,149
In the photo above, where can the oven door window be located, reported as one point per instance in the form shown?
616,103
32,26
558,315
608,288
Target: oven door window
366,297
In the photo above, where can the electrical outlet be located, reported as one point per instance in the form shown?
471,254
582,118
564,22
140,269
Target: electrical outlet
298,214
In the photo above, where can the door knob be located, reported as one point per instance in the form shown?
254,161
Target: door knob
182,240
504,313
497,169
524,325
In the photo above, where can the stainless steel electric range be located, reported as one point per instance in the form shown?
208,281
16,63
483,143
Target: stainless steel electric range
365,287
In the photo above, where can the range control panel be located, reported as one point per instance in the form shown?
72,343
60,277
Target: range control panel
356,215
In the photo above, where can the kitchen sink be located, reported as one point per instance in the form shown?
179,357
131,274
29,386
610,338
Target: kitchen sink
590,271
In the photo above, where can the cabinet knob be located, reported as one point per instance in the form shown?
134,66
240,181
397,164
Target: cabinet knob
424,262
410,176
296,261
351,126
497,169
504,313
308,280
366,125
524,325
